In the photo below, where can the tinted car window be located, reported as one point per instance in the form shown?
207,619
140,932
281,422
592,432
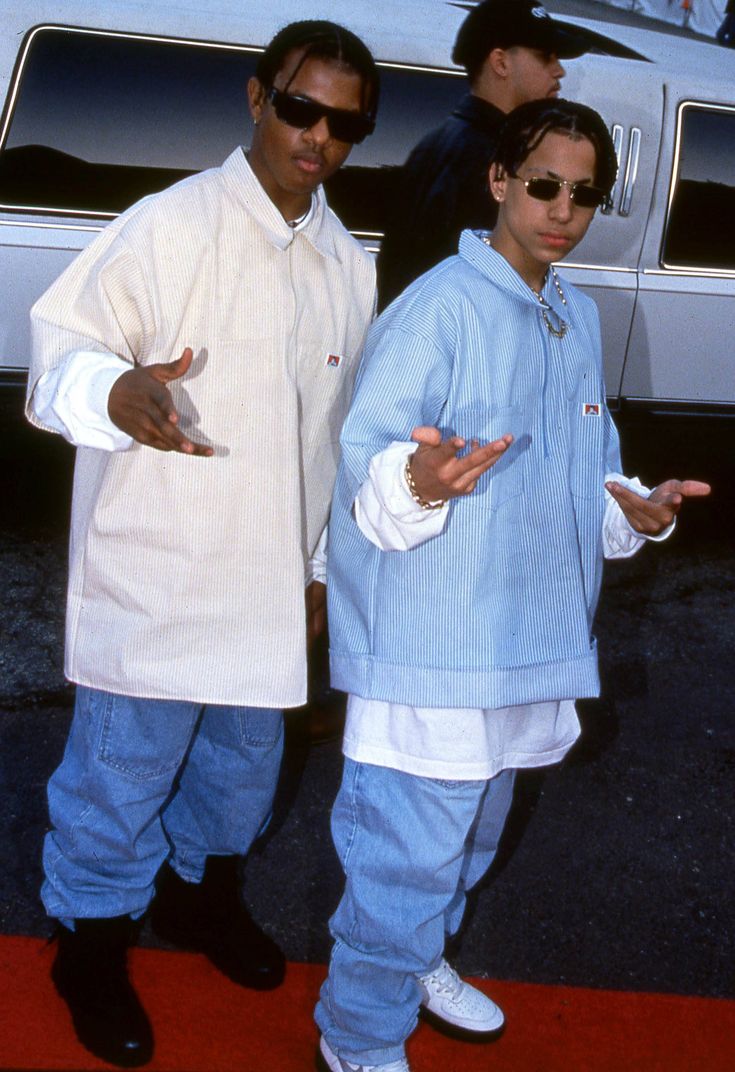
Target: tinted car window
412,102
701,226
100,120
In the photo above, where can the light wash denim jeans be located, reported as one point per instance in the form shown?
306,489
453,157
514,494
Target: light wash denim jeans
142,780
410,848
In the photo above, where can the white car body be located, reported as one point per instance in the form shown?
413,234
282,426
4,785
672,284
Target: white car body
98,96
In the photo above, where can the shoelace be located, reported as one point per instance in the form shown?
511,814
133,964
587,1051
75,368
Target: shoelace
446,980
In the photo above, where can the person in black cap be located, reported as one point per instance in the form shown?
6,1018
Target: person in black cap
511,50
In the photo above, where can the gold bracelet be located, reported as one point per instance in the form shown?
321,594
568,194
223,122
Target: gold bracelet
425,504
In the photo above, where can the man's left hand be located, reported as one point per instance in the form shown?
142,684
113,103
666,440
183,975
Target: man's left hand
653,515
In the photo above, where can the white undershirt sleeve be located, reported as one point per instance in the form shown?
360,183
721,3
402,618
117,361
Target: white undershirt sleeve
385,510
72,399
619,538
316,569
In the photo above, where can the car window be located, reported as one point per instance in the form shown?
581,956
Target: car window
700,231
98,120
412,102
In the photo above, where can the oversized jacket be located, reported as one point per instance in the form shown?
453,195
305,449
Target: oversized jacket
187,574
498,609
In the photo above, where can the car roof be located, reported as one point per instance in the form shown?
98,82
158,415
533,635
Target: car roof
674,54
383,24
419,32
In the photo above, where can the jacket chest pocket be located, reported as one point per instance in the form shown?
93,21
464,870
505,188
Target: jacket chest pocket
506,479
587,453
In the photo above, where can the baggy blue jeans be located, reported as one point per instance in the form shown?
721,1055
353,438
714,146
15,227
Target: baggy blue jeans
142,780
410,848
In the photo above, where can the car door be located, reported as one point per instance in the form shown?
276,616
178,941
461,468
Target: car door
96,120
628,93
681,352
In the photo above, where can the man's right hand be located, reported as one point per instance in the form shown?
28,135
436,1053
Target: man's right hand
141,405
437,471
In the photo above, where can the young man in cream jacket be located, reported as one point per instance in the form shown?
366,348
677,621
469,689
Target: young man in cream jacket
201,354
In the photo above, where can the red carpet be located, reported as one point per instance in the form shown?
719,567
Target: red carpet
204,1023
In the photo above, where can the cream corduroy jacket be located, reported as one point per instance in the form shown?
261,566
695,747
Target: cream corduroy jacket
187,574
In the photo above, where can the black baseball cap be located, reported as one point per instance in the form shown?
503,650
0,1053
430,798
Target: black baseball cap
508,23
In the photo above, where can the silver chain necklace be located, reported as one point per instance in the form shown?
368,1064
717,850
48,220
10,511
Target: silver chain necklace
561,331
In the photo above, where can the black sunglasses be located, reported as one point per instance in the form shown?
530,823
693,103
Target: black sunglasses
303,113
581,193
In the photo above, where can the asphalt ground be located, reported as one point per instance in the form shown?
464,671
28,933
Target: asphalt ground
616,870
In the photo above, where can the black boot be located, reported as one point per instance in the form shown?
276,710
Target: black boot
210,917
90,973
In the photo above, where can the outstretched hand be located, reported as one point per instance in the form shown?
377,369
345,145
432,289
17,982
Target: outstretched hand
141,405
437,471
653,515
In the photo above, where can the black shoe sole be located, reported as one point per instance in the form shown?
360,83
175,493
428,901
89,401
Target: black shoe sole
268,980
257,981
87,1035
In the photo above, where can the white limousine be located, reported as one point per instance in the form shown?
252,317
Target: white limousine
119,99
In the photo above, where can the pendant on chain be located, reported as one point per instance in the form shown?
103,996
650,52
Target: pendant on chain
561,331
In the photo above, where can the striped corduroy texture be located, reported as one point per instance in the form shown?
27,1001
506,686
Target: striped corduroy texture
498,609
187,574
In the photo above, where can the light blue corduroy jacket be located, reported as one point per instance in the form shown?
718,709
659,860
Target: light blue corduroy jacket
498,609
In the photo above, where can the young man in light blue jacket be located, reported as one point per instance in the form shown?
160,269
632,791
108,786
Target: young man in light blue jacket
479,491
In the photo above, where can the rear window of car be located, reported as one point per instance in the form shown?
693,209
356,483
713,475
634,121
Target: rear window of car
97,120
700,231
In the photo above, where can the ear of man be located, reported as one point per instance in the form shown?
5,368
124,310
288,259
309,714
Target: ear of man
497,180
499,62
493,72
256,98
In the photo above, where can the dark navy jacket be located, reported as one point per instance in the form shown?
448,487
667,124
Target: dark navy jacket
443,190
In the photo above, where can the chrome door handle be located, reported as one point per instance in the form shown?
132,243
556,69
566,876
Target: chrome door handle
617,137
631,171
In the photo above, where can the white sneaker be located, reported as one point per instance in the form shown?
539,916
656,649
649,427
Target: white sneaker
457,1004
334,1063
